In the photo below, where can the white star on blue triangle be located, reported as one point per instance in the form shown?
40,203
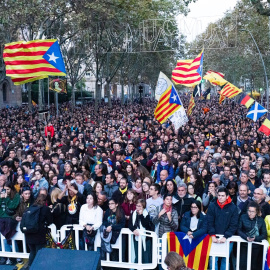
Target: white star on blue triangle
54,57
200,68
174,98
256,112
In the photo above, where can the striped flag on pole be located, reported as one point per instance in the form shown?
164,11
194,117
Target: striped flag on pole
195,252
230,91
188,72
221,98
33,60
191,105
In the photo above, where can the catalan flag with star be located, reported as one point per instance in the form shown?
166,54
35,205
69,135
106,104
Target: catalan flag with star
169,102
188,72
229,90
191,105
195,252
33,60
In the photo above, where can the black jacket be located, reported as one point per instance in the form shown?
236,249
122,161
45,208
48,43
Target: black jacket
183,205
118,196
45,219
222,221
201,227
246,224
265,207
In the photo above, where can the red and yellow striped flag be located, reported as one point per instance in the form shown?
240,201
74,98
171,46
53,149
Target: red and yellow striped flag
230,90
33,60
188,72
195,254
169,102
191,105
215,78
221,98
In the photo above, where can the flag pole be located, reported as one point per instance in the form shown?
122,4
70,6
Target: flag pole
48,92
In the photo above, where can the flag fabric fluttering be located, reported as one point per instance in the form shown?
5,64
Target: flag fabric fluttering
215,78
265,127
188,72
229,90
128,159
206,93
221,98
246,100
168,104
191,105
197,92
162,85
33,60
34,103
195,252
256,112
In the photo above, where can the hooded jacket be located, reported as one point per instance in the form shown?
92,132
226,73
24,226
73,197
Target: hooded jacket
222,219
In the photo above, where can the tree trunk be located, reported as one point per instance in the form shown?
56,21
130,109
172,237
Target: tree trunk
29,96
96,96
73,96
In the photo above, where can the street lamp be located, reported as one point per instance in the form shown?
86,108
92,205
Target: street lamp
266,79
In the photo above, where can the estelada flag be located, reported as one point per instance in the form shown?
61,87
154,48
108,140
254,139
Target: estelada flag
188,72
169,102
195,252
265,127
33,60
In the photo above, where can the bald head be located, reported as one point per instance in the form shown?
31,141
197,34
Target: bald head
163,175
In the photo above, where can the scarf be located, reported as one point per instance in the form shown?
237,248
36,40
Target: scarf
163,163
123,190
167,209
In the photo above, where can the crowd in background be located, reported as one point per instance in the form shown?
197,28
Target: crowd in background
119,168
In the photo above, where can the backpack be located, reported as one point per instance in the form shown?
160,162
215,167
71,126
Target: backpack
30,222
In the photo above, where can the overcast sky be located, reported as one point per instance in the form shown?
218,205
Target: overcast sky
201,14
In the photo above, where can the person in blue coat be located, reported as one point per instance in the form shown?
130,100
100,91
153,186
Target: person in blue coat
194,222
165,164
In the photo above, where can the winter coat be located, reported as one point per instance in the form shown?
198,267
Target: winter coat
110,189
222,220
39,238
165,225
201,227
246,225
183,205
11,204
167,168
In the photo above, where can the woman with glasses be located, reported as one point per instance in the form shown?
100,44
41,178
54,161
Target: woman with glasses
113,222
252,228
194,222
191,192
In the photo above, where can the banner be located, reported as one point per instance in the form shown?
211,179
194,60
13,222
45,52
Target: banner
162,85
58,85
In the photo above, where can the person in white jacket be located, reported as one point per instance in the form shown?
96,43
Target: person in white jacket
91,216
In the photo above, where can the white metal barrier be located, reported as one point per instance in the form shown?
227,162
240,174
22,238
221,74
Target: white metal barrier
159,248
19,236
119,246
222,251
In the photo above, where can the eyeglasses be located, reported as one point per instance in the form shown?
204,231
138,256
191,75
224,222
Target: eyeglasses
194,207
251,211
256,193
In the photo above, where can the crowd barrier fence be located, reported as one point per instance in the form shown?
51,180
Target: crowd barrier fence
222,251
158,245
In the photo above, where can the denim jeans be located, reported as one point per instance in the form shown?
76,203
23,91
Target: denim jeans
8,248
223,261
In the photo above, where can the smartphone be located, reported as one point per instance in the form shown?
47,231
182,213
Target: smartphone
3,191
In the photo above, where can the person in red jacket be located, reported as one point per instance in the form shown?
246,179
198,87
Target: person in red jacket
49,130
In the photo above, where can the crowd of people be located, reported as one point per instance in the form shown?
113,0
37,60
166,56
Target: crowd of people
119,168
